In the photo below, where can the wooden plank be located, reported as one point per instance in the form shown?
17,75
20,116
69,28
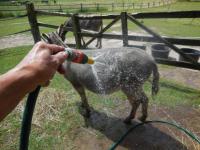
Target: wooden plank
27,30
86,17
41,12
124,27
177,64
54,26
149,15
47,25
157,36
103,30
76,30
179,41
158,15
33,22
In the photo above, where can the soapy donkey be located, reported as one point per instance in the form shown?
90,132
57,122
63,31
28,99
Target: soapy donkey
125,69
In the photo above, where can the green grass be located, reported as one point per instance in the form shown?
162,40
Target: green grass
168,27
11,56
105,1
171,27
16,25
178,6
57,121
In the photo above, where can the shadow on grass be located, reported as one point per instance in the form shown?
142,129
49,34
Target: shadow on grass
143,138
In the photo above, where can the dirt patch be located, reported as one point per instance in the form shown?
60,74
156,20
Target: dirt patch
188,77
16,40
151,137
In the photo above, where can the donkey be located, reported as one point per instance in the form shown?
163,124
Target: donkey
93,25
124,69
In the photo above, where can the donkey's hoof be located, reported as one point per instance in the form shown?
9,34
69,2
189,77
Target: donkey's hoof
86,114
142,118
127,121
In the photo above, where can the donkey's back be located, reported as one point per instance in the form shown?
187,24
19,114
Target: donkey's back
113,69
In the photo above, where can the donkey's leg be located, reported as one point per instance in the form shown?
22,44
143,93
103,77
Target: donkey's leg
145,101
99,43
80,89
83,42
135,105
132,97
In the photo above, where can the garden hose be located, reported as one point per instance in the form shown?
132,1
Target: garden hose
75,56
27,119
190,134
28,113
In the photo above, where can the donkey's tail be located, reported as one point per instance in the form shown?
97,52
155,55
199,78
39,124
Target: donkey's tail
155,82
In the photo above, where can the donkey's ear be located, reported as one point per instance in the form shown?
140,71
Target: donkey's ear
60,30
46,38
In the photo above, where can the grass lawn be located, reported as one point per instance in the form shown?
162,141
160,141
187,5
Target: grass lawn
169,27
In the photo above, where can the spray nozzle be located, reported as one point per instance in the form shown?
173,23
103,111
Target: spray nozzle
77,56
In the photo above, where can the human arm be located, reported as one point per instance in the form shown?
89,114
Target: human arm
37,68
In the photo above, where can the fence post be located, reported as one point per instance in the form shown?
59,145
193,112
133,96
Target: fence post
76,30
81,7
124,28
32,18
97,6
112,6
61,8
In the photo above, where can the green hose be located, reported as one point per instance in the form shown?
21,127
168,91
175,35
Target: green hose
28,113
190,134
27,119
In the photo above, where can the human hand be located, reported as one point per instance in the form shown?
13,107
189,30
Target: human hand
43,61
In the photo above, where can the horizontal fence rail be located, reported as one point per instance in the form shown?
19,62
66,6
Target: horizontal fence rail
178,41
159,15
148,15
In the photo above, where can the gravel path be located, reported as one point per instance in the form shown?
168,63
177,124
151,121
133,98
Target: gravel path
16,40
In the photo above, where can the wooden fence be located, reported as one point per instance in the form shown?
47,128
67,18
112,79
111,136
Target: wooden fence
90,6
78,33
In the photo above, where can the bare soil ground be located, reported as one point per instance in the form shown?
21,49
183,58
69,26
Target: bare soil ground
16,40
151,137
